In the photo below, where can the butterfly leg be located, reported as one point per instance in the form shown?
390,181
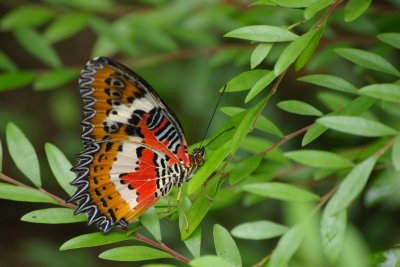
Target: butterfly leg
169,206
203,189
178,200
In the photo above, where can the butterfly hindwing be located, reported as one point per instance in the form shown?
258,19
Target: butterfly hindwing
134,146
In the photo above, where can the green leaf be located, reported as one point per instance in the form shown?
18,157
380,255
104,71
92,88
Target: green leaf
54,216
315,7
199,209
225,246
17,193
352,185
91,5
95,239
210,260
260,85
293,3
208,167
292,51
28,15
319,159
308,52
11,80
6,63
333,229
287,246
1,157
299,107
150,221
35,44
54,79
65,26
385,91
244,168
245,80
355,8
367,60
109,31
333,100
384,258
396,154
280,191
61,168
384,186
259,54
193,242
23,153
313,133
330,81
133,253
391,38
245,125
258,230
262,33
356,125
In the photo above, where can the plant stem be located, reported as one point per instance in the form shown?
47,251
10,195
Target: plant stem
325,16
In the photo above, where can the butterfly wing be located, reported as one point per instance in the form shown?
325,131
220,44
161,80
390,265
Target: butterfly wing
134,146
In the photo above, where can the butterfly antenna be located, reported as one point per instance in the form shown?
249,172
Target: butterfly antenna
221,133
212,116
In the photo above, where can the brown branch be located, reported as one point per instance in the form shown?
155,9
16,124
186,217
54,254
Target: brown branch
62,202
262,261
329,11
324,199
285,139
385,147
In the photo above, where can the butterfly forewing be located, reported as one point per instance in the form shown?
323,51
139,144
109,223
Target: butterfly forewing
134,146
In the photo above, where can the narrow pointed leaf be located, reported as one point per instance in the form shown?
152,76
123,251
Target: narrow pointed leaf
313,133
299,107
61,168
193,242
54,79
134,253
352,185
54,216
391,38
262,33
293,3
199,209
150,221
95,239
244,80
225,246
260,85
333,229
244,168
65,26
12,80
315,7
280,191
6,63
287,246
319,159
355,8
210,260
259,230
292,51
308,52
209,166
396,154
367,60
385,91
35,44
356,125
259,54
23,153
245,125
17,193
28,15
330,81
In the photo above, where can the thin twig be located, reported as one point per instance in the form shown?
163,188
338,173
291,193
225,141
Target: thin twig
385,147
62,202
325,16
324,199
262,261
285,139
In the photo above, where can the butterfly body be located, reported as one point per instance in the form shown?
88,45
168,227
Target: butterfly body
134,147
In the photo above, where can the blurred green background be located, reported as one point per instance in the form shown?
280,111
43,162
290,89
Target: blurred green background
177,46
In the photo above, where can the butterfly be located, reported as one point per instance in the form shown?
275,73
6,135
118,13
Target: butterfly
134,147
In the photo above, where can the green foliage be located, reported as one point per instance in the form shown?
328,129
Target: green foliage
260,179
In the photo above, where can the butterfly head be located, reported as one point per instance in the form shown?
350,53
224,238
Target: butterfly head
197,156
